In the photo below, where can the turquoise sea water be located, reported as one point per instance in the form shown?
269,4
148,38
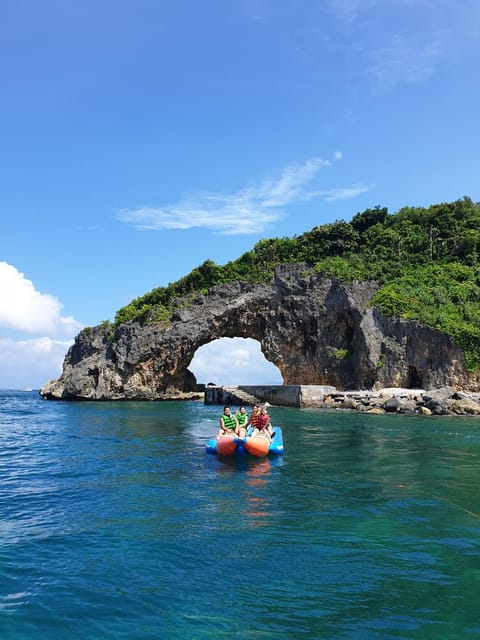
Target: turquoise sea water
115,523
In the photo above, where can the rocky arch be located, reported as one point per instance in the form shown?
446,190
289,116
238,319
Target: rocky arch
314,330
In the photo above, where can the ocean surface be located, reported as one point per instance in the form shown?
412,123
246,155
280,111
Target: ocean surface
115,523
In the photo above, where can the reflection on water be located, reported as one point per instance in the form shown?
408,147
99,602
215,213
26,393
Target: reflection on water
257,499
256,494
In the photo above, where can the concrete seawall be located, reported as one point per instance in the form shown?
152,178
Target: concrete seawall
294,395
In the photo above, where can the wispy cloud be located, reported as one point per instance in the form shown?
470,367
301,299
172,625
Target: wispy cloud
249,210
290,186
347,11
345,193
399,42
403,60
223,214
354,11
257,9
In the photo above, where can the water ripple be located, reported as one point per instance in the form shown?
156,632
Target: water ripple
116,524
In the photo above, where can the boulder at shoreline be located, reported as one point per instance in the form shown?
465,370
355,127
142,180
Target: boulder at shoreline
440,402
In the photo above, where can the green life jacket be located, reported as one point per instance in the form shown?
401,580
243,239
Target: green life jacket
242,418
229,422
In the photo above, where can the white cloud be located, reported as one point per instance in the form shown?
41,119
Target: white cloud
249,210
233,361
23,308
30,363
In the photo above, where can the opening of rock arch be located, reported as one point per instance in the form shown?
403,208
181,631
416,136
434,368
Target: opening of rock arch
233,361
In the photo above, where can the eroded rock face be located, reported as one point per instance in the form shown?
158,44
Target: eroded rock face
315,330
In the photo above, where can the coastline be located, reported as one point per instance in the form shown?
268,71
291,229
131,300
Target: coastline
444,401
441,401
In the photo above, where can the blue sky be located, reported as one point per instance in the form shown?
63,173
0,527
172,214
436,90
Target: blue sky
139,139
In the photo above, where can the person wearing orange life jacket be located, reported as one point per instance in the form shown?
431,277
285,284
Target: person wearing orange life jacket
263,426
254,416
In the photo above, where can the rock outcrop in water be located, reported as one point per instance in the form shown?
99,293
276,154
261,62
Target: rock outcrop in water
315,330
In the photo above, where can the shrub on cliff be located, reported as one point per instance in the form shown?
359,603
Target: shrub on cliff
426,260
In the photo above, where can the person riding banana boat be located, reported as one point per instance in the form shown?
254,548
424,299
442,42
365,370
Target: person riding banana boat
228,424
262,424
243,421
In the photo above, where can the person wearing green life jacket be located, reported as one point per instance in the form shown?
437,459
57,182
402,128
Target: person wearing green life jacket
243,421
228,424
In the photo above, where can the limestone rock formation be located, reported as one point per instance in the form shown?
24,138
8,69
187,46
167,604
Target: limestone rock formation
315,330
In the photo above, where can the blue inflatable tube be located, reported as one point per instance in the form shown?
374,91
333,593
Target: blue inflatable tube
275,447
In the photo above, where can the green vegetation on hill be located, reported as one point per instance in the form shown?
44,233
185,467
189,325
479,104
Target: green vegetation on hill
426,260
